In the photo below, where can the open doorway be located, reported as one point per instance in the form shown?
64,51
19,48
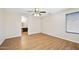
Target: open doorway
24,24
24,31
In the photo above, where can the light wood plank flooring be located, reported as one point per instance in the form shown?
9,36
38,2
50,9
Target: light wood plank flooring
11,44
17,43
39,41
45,42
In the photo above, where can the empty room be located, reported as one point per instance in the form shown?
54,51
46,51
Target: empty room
54,29
39,29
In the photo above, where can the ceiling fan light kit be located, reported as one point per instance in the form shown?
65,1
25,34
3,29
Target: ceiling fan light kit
37,12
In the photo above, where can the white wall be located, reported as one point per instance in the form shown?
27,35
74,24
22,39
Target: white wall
34,25
2,24
13,24
10,25
55,25
25,25
24,22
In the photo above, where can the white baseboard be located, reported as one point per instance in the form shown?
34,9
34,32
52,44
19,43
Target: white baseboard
63,38
12,37
33,33
68,39
1,41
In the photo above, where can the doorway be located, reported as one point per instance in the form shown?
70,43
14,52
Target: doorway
24,30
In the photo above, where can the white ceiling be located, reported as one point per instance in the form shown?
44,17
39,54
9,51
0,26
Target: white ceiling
24,10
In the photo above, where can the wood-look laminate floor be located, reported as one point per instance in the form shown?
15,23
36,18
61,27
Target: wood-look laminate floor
46,42
39,42
12,44
15,43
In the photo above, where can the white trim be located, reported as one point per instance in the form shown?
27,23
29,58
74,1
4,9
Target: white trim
2,41
12,37
63,38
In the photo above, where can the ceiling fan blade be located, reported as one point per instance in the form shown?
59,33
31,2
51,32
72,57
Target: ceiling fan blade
42,11
29,11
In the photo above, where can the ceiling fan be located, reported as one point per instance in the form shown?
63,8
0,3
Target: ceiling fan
37,12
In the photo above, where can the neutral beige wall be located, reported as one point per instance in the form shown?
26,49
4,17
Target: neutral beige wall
2,26
13,24
55,25
25,25
34,25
